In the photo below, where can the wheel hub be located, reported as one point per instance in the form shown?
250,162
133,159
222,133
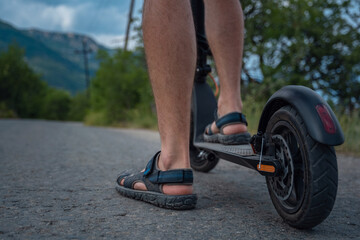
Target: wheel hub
283,185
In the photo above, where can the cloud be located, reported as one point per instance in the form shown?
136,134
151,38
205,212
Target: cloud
59,16
102,19
34,14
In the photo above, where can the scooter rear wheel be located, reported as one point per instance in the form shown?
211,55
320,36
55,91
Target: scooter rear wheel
305,193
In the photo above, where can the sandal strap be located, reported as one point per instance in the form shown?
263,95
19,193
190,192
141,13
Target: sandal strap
153,178
184,176
208,130
130,180
151,164
171,176
231,118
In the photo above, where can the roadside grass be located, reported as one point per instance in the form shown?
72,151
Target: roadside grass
135,119
96,118
139,119
253,110
350,125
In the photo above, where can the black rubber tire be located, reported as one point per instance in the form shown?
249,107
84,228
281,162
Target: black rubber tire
197,163
315,175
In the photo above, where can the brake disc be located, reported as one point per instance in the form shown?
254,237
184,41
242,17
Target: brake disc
283,185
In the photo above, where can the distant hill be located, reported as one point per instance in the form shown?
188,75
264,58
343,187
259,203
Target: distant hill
52,54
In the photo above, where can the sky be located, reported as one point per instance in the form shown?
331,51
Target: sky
103,20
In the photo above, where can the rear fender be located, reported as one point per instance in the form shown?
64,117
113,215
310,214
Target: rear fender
311,107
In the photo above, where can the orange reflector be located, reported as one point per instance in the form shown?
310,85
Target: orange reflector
266,168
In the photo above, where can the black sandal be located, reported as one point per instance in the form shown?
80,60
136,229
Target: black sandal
153,178
231,139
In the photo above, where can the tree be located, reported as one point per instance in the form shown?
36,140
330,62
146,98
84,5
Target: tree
24,94
120,85
308,42
20,88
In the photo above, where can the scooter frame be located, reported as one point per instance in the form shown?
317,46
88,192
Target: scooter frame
319,119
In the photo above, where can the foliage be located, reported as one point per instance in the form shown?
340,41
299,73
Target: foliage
5,112
96,118
56,104
309,42
21,90
121,85
24,94
79,107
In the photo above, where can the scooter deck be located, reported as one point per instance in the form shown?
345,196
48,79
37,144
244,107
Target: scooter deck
242,150
240,154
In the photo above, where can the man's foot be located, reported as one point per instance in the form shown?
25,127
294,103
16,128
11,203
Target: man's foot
168,189
228,129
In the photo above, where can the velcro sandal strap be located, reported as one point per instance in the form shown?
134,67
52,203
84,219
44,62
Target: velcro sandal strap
153,178
234,117
151,164
172,176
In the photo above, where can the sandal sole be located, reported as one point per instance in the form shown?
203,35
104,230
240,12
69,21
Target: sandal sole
175,202
234,139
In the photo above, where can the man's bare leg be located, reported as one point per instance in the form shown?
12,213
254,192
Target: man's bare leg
225,32
170,47
170,50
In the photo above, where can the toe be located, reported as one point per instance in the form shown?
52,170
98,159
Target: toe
121,177
120,180
211,129
140,186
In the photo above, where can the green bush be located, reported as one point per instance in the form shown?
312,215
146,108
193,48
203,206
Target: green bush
56,105
79,107
96,118
119,89
5,112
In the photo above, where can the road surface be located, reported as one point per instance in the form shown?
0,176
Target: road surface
57,182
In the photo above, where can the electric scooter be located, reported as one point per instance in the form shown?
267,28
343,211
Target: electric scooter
293,148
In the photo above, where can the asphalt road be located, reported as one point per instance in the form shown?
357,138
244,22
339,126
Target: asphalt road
57,182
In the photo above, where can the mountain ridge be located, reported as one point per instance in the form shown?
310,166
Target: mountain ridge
52,54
